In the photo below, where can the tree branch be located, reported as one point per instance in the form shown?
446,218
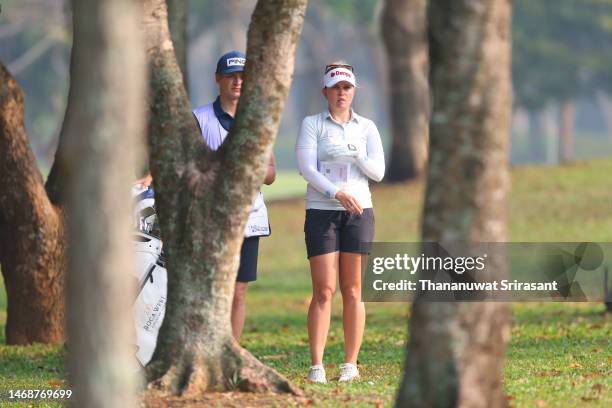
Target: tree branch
177,150
31,55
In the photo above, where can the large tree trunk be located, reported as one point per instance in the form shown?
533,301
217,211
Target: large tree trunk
106,119
31,232
203,200
456,350
404,33
178,12
566,132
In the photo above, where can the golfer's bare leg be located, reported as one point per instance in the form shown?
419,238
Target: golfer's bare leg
323,270
239,309
353,309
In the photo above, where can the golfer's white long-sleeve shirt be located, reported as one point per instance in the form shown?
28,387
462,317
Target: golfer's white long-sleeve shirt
325,175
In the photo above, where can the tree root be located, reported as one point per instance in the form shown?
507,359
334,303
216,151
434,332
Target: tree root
254,376
192,374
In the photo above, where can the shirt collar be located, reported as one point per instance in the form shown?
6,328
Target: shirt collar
224,118
218,108
354,116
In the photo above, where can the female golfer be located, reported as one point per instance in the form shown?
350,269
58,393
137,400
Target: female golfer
337,152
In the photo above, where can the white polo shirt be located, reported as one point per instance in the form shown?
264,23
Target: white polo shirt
325,176
214,134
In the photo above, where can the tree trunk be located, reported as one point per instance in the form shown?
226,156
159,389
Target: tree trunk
607,292
204,198
605,105
31,232
316,53
107,92
233,35
178,12
537,137
566,132
404,34
550,126
456,350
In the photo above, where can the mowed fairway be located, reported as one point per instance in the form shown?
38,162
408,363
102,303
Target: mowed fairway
559,353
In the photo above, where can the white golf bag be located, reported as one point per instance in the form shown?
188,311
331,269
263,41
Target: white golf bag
150,304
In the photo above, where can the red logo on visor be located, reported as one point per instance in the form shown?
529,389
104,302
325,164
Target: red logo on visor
341,73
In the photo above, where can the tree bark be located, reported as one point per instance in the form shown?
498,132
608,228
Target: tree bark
404,34
178,12
204,198
456,350
106,99
566,132
32,249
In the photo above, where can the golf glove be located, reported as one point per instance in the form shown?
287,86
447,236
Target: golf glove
343,150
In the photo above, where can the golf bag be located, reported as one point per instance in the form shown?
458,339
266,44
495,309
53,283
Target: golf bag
150,304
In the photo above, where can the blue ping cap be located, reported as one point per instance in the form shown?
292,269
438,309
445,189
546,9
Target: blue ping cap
232,61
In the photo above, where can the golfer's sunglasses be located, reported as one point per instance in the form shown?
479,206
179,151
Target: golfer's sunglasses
334,66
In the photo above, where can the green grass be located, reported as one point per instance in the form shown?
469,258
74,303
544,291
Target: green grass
34,367
559,354
566,203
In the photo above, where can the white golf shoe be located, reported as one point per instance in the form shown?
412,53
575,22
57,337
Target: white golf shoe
348,372
317,374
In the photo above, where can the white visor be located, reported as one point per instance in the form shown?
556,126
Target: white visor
338,75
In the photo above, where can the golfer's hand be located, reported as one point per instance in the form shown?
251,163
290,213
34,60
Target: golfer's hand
338,151
145,181
349,202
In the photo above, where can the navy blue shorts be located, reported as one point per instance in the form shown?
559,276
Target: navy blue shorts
247,271
329,231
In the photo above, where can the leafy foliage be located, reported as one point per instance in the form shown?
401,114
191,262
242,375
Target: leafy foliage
560,49
358,12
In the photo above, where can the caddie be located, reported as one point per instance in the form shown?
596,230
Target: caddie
215,120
